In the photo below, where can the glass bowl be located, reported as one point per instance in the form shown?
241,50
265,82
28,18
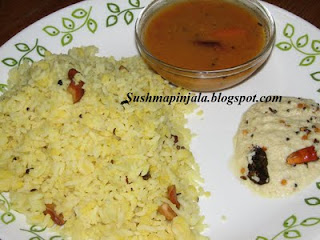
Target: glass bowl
199,80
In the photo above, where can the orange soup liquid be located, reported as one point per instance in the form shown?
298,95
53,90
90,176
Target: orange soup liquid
204,35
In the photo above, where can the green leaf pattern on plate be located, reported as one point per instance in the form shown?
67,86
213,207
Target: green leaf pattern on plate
112,20
92,25
284,46
22,47
288,31
128,15
310,221
291,234
316,46
290,221
291,226
70,25
307,61
79,13
261,238
41,50
312,201
315,76
302,42
10,62
51,30
7,217
26,50
3,87
66,39
36,230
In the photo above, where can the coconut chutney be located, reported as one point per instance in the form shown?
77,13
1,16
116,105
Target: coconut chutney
276,147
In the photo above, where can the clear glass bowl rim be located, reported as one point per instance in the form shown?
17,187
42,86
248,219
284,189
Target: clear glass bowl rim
242,67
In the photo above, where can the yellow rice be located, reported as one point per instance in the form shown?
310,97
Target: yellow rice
88,158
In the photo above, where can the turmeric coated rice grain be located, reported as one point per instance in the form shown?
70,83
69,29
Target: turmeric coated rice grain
98,167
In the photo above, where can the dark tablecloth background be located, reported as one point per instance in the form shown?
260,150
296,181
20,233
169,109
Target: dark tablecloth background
15,15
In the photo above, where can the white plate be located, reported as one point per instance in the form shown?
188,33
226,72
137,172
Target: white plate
232,212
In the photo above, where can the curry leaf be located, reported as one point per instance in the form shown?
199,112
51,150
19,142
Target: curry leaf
318,185
68,23
112,20
313,201
51,30
284,46
288,31
310,221
7,218
289,222
316,45
307,61
10,62
134,3
22,47
128,17
79,13
41,50
92,25
302,41
114,8
292,234
66,39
